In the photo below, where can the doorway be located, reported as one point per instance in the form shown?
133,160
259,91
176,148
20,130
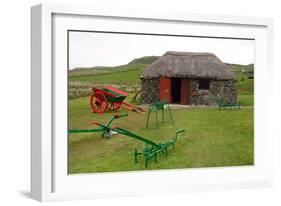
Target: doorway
176,90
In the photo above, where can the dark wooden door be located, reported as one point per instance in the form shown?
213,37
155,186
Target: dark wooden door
165,89
185,86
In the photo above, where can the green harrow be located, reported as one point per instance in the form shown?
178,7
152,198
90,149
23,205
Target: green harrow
225,105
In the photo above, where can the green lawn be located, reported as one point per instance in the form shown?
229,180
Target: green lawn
245,87
246,100
212,138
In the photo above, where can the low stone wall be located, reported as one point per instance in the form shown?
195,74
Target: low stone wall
150,90
223,90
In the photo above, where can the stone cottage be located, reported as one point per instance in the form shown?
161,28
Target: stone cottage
188,78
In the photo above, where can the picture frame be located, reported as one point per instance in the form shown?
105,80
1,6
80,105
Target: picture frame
49,177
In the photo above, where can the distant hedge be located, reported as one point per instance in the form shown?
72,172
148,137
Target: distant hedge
78,89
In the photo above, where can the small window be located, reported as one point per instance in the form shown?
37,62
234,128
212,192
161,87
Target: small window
204,84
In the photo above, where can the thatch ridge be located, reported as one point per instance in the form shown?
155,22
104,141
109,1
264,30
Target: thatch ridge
189,65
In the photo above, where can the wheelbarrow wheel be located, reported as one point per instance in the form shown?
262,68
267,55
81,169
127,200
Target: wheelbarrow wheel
98,102
114,107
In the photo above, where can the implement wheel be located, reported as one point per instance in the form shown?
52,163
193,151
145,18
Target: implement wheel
98,102
114,107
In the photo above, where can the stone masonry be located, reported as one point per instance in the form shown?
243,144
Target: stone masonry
150,90
219,90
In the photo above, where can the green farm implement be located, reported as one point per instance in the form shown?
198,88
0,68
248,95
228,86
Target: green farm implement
229,106
225,105
151,150
105,132
159,106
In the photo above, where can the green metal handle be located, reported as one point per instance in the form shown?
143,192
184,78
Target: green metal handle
178,132
101,129
115,116
181,131
73,131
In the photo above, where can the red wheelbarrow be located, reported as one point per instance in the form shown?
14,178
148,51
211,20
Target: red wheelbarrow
110,99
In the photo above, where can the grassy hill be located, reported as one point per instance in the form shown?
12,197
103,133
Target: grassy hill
137,63
245,85
124,74
242,72
144,60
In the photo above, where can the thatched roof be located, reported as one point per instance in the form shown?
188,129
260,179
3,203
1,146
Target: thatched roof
188,65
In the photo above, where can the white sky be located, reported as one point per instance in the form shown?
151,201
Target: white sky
87,49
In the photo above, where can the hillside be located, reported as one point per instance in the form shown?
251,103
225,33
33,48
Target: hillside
144,60
239,70
244,77
138,63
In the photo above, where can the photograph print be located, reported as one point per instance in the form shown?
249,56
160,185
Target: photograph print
140,101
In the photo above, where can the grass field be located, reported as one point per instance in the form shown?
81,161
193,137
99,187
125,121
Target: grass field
212,138
246,100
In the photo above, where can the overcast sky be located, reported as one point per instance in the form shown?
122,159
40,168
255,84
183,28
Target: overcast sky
88,49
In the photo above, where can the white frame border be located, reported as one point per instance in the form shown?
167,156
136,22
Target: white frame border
42,84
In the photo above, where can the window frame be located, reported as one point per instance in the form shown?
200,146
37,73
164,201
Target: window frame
203,83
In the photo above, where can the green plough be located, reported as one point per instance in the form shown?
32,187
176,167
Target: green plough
105,132
152,148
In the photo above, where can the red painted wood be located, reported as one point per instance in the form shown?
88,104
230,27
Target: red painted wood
118,91
185,91
165,89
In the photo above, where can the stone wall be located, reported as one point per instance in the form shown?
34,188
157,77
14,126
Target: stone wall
223,90
150,90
